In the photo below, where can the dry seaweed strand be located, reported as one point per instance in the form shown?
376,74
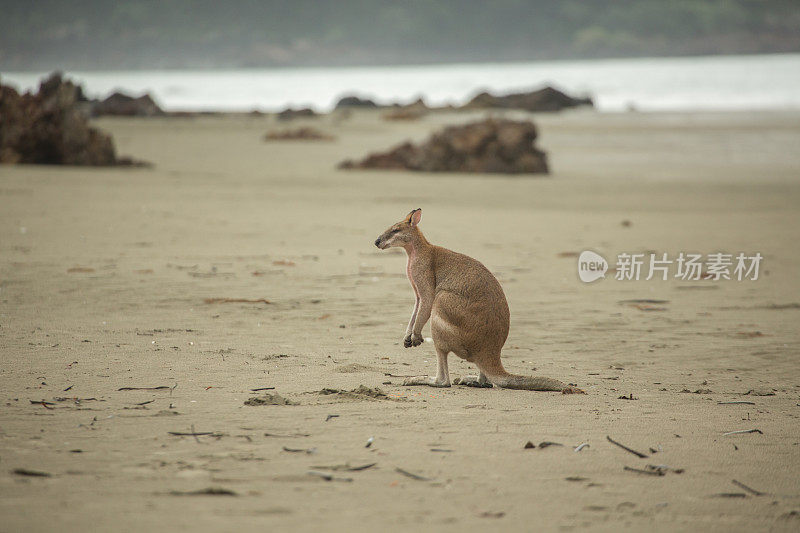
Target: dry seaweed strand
411,475
629,450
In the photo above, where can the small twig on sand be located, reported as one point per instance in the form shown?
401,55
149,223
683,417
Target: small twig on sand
641,471
74,399
263,388
736,403
145,403
331,416
546,443
30,473
665,468
211,491
346,467
43,403
412,476
634,452
235,301
328,477
299,450
161,387
742,431
397,375
752,491
195,434
362,467
579,447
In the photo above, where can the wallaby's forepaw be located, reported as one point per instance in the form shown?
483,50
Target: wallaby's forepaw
572,390
472,381
412,340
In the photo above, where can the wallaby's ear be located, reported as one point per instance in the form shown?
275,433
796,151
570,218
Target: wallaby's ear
414,216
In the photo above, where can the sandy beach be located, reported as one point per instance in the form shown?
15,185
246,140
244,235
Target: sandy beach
114,278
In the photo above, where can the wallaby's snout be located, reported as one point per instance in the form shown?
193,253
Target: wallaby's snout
378,242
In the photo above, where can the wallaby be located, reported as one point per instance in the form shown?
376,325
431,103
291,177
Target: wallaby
468,311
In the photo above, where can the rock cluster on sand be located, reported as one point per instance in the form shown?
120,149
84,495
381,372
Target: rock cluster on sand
542,100
298,134
355,101
119,104
49,128
412,111
291,114
502,146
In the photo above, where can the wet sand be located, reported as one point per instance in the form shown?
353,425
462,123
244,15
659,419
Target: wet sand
105,275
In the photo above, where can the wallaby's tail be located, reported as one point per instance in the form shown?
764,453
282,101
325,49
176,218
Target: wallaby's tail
498,376
513,381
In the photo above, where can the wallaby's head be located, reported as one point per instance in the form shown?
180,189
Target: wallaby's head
402,233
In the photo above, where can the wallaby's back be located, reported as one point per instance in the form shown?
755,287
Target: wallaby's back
470,298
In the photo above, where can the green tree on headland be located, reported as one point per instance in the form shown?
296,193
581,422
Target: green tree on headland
86,34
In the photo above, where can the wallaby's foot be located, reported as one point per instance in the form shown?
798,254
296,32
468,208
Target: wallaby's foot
472,381
413,340
572,390
426,380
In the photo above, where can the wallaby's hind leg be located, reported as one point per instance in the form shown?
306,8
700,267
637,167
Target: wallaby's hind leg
480,381
442,378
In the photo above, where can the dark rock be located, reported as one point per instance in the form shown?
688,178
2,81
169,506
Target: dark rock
355,101
119,104
49,128
542,100
412,111
496,146
298,134
291,114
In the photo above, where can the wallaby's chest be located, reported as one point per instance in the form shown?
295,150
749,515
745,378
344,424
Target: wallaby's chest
418,270
409,271
413,271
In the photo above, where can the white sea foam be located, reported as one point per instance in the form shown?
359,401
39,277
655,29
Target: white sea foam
648,84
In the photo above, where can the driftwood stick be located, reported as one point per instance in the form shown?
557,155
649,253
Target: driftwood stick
743,431
194,433
345,467
30,473
641,471
748,489
299,450
629,450
329,477
412,476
